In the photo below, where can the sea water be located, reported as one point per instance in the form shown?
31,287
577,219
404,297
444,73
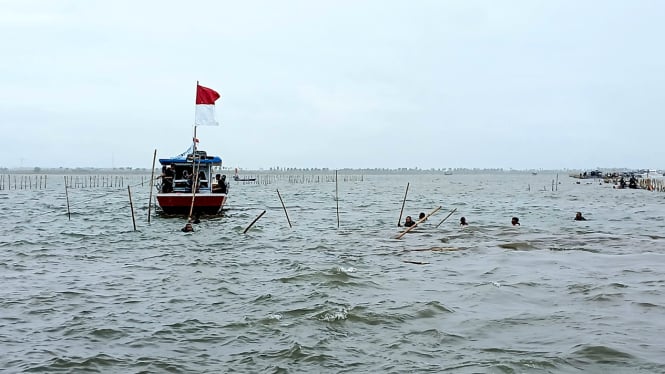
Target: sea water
336,292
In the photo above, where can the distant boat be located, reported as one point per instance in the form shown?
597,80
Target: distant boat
534,173
187,183
448,172
237,178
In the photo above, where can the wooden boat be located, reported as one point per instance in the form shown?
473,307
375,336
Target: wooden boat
238,178
177,194
192,183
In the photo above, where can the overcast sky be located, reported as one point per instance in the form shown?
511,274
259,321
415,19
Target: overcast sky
388,84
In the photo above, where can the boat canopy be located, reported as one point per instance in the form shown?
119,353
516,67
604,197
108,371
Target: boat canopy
213,160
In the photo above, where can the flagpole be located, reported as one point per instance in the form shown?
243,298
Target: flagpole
194,171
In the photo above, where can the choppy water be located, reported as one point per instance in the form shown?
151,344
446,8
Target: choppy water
551,296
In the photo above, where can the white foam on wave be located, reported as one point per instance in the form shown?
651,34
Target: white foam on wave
339,315
348,270
275,316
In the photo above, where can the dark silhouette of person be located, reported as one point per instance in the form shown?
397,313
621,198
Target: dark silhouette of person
632,182
462,222
167,179
421,216
188,228
202,180
408,222
515,221
579,217
222,185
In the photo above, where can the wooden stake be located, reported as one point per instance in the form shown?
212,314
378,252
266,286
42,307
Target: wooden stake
417,222
195,182
337,198
152,178
449,214
416,262
399,221
131,206
69,214
283,206
253,222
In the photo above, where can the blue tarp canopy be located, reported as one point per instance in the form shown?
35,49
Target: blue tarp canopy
182,160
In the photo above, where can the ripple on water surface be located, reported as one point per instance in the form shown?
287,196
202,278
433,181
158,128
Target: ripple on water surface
553,295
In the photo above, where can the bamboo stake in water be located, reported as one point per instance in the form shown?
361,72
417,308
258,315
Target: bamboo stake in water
69,214
131,206
283,206
449,214
399,221
152,178
253,222
337,198
417,222
195,183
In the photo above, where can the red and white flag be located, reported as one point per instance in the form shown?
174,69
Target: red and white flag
205,106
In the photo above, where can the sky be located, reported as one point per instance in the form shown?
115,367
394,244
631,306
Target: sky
335,84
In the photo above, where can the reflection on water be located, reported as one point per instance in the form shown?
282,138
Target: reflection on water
552,295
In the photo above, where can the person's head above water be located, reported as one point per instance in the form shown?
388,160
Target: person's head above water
515,221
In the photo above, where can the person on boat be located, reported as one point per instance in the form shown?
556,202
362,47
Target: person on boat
222,185
462,221
408,222
187,175
622,183
167,179
188,228
579,217
202,181
515,221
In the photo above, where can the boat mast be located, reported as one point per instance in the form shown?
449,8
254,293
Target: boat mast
194,168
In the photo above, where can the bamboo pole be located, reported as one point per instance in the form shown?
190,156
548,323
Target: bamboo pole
337,198
399,220
195,181
284,206
417,222
131,206
69,214
253,222
449,214
152,178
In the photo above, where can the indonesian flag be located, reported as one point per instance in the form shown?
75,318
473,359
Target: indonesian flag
205,106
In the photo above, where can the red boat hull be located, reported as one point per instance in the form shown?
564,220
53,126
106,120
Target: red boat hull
180,203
